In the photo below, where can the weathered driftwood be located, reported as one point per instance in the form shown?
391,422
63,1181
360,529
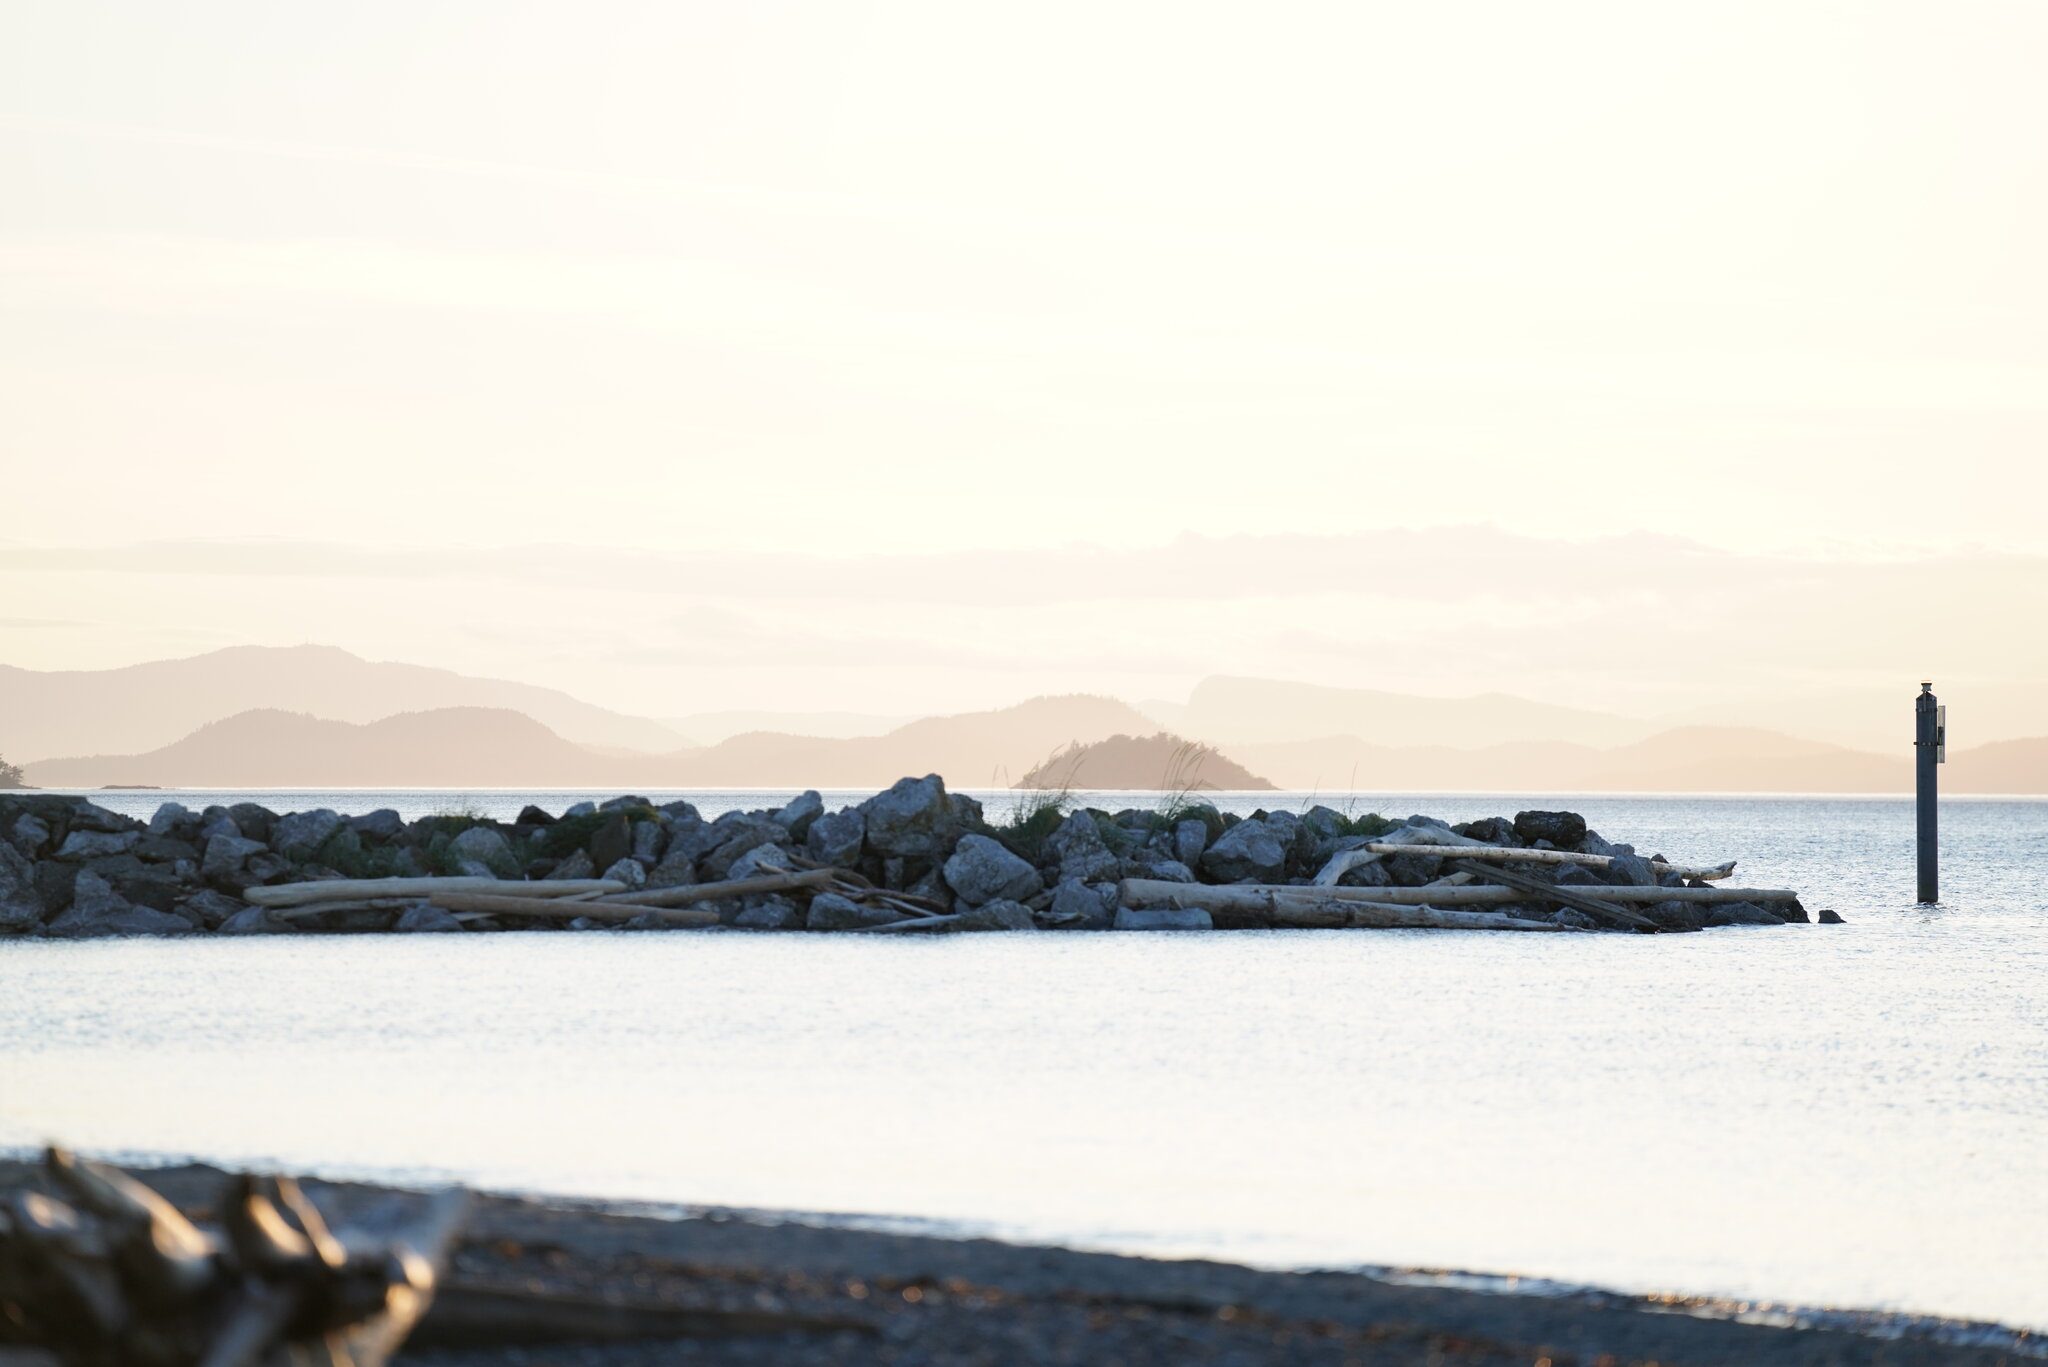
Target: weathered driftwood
544,908
117,1274
1344,861
1503,854
915,923
1604,912
357,889
1158,892
719,892
312,909
1391,916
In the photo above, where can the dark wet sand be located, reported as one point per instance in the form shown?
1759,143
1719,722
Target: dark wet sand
916,1299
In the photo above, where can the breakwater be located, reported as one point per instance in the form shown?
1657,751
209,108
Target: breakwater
914,858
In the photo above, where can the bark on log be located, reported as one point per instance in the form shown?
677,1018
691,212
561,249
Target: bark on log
355,889
1502,854
1605,912
916,923
1344,861
1389,916
556,909
1158,892
720,892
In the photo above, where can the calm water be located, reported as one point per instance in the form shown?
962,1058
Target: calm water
1851,1115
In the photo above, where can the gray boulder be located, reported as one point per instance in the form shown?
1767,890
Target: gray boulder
769,913
1163,918
1164,871
1082,906
689,841
383,825
677,869
612,841
649,839
426,919
254,921
742,837
171,818
80,846
1190,838
1001,914
1573,917
1739,914
576,867
580,809
211,909
981,870
799,812
482,845
299,836
760,862
1564,830
97,910
1249,850
227,855
1373,875
835,838
1674,915
914,819
253,820
21,904
1081,850
1631,870
216,821
830,911
628,871
30,834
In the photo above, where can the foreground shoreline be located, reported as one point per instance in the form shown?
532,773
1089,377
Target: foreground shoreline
865,1294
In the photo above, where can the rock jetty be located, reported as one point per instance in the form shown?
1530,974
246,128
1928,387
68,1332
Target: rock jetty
912,858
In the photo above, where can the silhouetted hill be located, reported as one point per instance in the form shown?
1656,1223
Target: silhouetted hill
142,707
972,749
451,747
1162,761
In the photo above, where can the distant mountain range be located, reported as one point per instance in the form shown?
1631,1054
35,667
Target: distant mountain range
256,717
496,747
146,706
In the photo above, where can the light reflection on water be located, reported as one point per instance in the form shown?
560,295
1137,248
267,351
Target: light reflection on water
1837,1115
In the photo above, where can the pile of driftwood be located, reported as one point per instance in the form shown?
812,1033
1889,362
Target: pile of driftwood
1477,874
590,899
106,1271
100,1270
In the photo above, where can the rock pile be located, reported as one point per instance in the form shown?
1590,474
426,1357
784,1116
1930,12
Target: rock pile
912,857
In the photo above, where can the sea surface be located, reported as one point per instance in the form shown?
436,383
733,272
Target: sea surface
1850,1115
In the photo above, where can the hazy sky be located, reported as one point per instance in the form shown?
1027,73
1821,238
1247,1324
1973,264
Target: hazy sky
728,295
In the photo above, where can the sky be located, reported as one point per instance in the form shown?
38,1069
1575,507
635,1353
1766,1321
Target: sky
913,357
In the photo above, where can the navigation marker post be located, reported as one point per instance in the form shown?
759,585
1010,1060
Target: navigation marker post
1930,747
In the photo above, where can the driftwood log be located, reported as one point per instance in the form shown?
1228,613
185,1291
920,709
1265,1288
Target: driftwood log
1601,910
719,892
112,1273
1502,854
1159,892
544,908
359,889
1392,916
